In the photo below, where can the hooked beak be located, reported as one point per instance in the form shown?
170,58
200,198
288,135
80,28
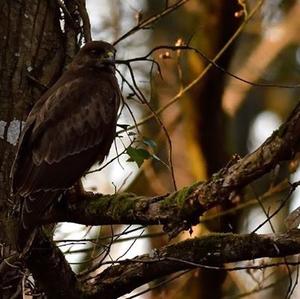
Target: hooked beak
109,57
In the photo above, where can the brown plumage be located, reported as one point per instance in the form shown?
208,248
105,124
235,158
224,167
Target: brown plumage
70,127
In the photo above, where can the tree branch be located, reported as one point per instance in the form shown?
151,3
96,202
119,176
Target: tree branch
181,209
125,208
58,280
145,24
207,252
126,275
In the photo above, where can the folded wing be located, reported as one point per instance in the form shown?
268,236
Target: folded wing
73,127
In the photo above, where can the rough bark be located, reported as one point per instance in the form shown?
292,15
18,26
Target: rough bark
33,55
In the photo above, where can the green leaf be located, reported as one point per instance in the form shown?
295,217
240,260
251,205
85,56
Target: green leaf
138,155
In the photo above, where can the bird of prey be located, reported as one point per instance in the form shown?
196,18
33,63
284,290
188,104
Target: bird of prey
70,127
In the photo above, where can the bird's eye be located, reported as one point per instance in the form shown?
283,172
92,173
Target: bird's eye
97,52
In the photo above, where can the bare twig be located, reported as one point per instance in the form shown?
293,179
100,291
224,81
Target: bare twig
149,21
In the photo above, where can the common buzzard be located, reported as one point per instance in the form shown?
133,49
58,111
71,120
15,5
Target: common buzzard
70,127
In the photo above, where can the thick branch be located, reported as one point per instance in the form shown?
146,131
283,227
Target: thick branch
50,268
125,208
211,250
179,210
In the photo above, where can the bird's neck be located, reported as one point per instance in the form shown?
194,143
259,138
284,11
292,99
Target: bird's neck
107,68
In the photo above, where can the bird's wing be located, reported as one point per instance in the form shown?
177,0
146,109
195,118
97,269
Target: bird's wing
73,119
64,137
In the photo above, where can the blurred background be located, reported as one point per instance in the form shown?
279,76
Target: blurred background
208,116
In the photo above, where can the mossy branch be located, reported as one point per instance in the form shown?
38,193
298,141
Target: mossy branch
180,210
206,252
169,210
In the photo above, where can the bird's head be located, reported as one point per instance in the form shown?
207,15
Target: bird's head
97,54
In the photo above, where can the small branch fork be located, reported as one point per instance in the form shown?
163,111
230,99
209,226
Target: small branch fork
145,24
148,58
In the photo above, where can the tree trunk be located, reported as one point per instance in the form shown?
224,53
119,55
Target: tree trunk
33,47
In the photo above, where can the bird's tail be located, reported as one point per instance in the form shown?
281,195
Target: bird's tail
33,207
